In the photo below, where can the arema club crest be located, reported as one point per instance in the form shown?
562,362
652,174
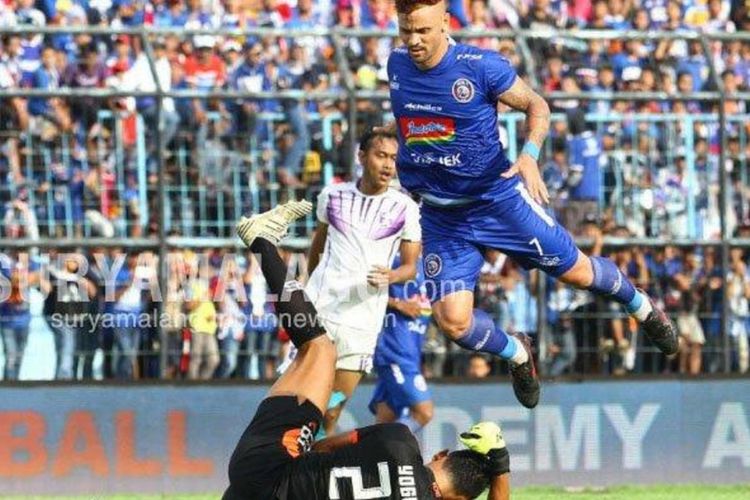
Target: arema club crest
463,90
433,264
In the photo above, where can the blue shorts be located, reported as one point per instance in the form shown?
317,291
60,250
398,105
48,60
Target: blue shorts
455,238
398,390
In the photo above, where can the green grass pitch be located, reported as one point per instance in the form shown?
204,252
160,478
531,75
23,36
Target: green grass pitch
665,492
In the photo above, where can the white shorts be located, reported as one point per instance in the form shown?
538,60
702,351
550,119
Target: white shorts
690,327
355,347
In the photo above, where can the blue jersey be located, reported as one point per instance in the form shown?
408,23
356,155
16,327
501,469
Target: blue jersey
402,337
586,157
449,145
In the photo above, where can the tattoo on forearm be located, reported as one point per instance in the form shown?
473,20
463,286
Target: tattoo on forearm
522,98
537,123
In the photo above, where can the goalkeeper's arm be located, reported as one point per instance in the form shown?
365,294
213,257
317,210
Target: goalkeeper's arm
499,470
500,487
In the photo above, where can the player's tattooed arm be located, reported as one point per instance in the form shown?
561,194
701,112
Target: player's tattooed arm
522,98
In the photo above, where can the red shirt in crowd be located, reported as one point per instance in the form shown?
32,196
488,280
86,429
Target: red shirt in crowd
205,76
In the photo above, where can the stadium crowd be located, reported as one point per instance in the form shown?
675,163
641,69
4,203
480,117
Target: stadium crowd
219,323
86,166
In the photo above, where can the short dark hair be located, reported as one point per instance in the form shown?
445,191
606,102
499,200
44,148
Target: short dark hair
468,472
406,6
367,139
577,121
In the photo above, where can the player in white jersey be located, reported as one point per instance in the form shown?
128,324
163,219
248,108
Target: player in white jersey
361,226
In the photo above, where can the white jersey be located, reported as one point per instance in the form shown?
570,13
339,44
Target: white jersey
363,231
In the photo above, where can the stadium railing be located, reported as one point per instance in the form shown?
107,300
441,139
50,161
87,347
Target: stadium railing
260,197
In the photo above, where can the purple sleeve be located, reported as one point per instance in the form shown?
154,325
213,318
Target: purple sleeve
499,74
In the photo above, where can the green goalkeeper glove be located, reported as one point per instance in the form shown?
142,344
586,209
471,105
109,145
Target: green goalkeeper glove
487,438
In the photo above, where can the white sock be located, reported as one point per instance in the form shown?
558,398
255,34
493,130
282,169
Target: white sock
521,356
644,310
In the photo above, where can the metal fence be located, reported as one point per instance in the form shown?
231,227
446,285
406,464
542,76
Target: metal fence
168,189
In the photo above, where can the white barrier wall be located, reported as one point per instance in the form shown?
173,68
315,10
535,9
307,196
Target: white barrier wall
101,439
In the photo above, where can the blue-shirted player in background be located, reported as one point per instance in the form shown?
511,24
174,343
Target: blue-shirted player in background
444,97
401,393
586,162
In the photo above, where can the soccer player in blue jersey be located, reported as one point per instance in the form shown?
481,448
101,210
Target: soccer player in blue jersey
401,393
444,97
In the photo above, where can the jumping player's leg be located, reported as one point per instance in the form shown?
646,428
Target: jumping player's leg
452,268
602,277
533,238
474,329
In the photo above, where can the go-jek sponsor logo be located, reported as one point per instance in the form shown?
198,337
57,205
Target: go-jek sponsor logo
427,130
449,160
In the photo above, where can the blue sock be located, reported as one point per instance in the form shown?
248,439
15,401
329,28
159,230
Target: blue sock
484,336
408,421
610,282
337,398
634,304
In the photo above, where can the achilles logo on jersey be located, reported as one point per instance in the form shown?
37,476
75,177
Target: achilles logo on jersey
433,264
413,106
427,130
463,90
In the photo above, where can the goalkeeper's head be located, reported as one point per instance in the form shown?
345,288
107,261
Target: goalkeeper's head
460,475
